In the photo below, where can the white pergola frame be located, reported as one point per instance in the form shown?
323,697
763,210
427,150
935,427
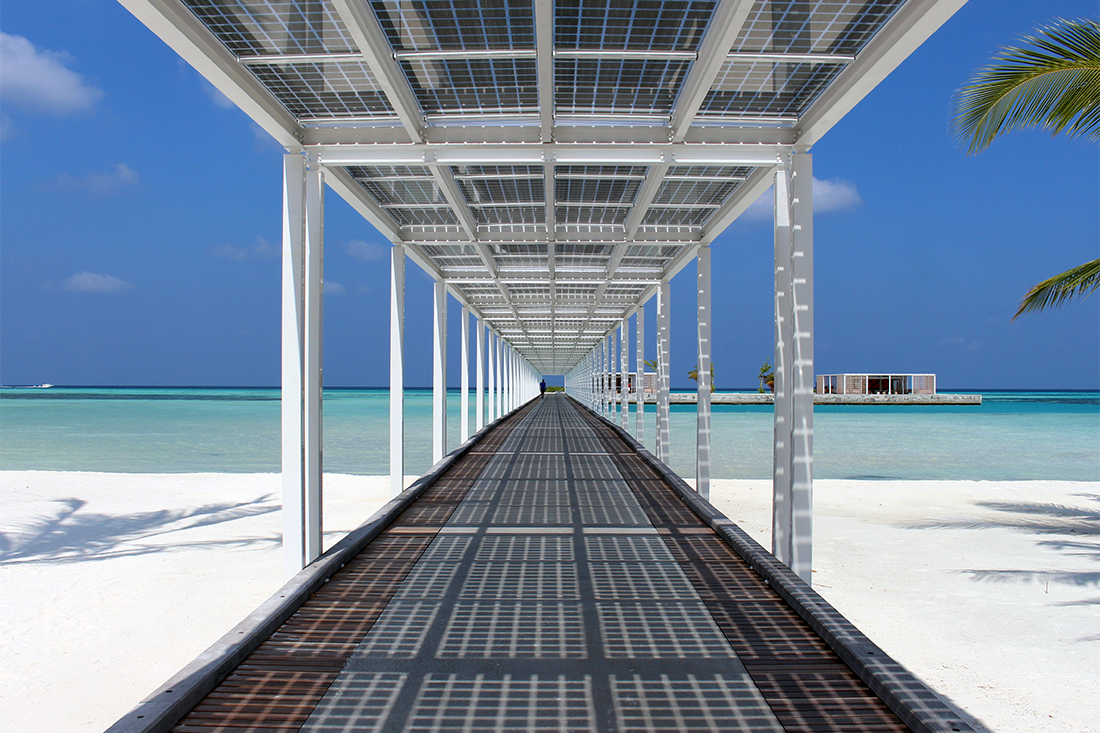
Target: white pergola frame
547,293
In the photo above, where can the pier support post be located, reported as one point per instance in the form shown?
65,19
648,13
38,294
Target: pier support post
439,373
491,377
464,381
792,509
639,357
479,380
302,280
499,375
624,371
397,369
663,296
702,421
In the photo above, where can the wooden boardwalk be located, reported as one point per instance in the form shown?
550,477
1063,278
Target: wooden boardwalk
549,580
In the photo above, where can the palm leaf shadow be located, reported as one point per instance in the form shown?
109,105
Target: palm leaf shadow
70,535
1072,527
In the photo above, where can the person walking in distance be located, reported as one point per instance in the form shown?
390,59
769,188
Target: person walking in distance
542,387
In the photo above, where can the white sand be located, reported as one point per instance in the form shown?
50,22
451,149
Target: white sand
988,591
110,583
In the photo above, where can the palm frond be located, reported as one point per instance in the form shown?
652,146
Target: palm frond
1054,83
1050,293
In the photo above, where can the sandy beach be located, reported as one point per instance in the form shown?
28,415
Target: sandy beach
110,583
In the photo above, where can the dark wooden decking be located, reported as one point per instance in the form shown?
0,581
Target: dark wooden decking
550,580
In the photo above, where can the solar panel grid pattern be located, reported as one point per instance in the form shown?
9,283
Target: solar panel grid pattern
272,27
617,86
813,26
646,25
765,88
453,25
473,86
328,89
598,201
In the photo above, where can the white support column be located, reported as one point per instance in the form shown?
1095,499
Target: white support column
505,378
702,420
639,334
464,382
781,421
439,373
663,303
624,369
802,365
491,354
610,396
479,398
303,262
397,369
500,375
792,514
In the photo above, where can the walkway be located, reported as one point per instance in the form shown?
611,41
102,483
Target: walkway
550,580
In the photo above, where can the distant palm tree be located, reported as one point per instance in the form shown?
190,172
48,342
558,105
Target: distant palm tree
693,375
1054,84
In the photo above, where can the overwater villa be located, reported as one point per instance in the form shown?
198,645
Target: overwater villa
876,384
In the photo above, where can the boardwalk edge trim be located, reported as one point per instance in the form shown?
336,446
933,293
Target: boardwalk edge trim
914,702
167,705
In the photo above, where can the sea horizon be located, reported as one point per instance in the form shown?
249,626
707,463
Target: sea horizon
1036,434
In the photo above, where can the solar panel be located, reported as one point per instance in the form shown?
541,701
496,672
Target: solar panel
517,138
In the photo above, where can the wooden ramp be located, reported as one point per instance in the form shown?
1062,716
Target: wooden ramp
554,579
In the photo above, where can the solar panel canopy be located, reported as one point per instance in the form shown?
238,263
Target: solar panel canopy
551,161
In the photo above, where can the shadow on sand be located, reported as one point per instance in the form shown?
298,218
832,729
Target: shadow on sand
70,535
1071,529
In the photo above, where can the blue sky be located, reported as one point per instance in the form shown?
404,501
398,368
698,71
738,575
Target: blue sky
140,222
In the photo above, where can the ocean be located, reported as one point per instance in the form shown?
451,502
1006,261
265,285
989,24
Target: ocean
1010,436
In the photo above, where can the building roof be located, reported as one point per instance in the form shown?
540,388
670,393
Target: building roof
551,161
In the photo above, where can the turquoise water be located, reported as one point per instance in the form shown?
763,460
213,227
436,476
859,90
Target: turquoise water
1011,436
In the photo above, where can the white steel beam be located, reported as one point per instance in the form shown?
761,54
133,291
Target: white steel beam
702,408
782,417
185,34
479,399
371,41
340,181
727,154
639,395
802,365
646,192
909,27
544,65
663,327
464,380
624,370
397,370
439,373
301,361
723,29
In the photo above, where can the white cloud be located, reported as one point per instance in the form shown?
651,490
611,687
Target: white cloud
834,194
100,183
334,288
90,282
8,130
367,251
216,96
261,250
38,79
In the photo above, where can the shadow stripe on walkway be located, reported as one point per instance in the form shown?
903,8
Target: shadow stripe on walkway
550,579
